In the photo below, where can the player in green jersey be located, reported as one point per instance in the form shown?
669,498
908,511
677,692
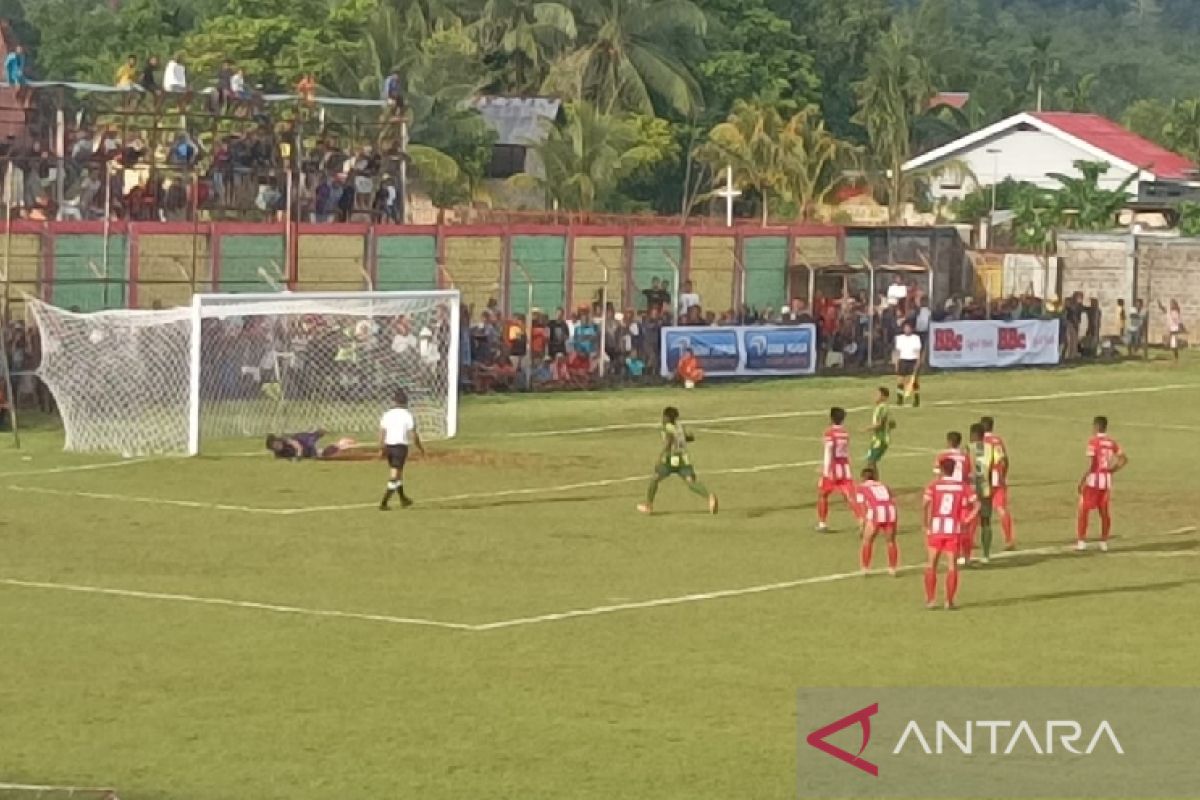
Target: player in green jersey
985,457
880,429
674,460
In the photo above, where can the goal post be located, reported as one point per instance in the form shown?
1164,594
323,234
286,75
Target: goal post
238,365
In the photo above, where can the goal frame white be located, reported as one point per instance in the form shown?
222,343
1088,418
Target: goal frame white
451,296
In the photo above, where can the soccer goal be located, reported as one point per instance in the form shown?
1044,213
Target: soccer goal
236,365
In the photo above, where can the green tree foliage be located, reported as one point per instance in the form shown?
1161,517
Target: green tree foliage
633,56
893,95
522,38
585,159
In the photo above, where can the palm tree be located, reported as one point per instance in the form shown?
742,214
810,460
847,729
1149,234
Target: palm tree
584,159
524,36
894,93
814,160
1078,97
1042,65
1182,129
632,55
749,143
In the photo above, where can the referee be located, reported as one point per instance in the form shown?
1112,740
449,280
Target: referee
908,365
397,428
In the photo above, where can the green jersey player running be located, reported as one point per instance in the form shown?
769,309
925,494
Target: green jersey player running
674,460
880,429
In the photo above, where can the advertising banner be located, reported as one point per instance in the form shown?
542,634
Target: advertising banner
992,343
743,351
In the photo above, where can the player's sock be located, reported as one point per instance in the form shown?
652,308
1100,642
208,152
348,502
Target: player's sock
866,553
1006,526
387,495
651,491
1105,525
930,584
951,586
900,394
893,554
1081,525
696,487
916,398
822,509
985,538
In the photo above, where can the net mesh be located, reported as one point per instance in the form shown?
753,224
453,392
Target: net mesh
122,379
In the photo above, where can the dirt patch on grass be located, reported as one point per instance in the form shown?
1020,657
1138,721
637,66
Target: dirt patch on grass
489,458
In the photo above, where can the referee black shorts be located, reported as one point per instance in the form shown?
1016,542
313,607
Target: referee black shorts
906,367
397,454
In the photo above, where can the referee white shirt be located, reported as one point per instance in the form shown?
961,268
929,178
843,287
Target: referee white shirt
908,347
397,425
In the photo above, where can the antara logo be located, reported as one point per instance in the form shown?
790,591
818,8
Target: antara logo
1006,737
862,718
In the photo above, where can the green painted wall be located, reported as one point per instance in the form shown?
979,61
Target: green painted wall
242,258
77,260
545,259
650,261
766,260
858,250
406,263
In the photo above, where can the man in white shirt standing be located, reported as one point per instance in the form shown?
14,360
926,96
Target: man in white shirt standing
397,429
897,293
687,299
908,365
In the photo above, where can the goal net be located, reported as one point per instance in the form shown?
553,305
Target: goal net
155,382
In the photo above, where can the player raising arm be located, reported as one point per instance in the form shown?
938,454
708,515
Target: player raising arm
950,507
880,429
836,472
397,428
674,460
1105,457
1000,481
877,505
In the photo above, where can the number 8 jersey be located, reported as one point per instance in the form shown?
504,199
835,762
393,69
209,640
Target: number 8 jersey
949,503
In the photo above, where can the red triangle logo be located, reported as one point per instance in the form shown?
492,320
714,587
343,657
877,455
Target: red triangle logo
862,718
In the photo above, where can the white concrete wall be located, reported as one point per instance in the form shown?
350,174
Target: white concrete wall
1024,156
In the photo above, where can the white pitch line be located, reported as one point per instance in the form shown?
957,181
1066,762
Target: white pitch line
76,468
126,498
454,498
520,621
789,437
220,601
1028,398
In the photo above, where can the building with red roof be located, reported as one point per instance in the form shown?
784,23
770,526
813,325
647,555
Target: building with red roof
1031,147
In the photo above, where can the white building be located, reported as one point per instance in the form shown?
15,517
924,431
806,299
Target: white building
1029,147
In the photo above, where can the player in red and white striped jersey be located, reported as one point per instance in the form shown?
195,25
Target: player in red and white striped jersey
877,505
1105,457
836,473
1000,481
951,507
954,452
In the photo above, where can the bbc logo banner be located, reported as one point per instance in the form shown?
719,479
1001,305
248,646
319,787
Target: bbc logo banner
998,743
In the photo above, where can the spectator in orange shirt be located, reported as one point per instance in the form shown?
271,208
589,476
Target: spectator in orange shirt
689,371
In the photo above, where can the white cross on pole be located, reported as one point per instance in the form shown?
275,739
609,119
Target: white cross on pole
729,193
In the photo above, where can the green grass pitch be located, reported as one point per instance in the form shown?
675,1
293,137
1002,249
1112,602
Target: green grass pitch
264,632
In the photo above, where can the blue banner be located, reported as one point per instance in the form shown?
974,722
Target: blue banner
743,350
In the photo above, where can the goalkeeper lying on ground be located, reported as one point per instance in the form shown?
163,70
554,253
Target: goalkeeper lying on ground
298,446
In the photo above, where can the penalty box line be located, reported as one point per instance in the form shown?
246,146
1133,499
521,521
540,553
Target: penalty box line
454,498
594,611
